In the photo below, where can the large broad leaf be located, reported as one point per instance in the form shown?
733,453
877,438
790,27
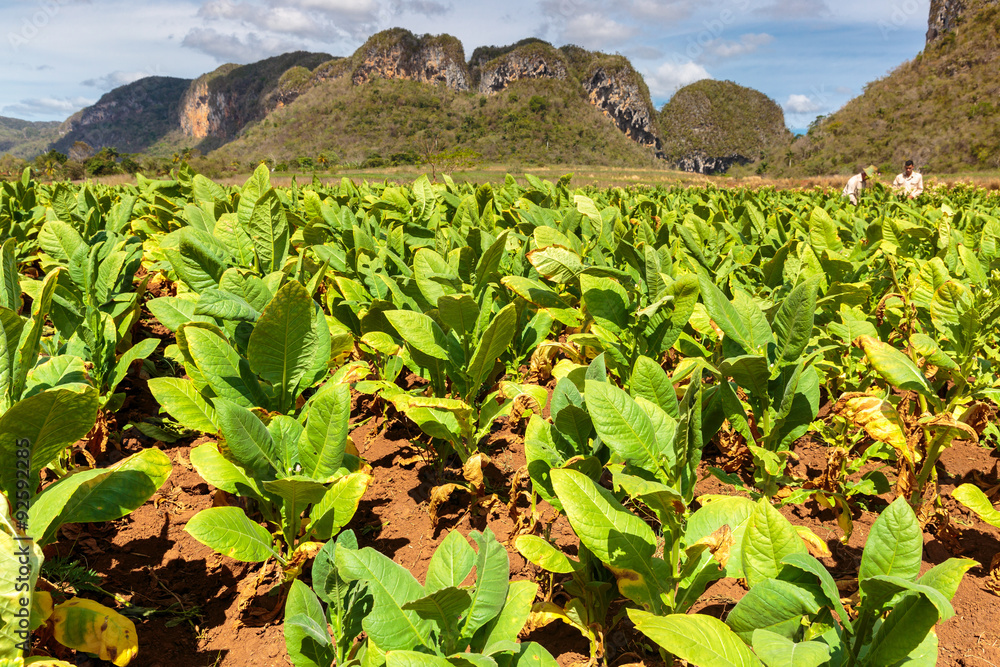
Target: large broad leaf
414,659
793,324
338,505
223,474
182,401
45,423
249,440
617,537
324,441
140,350
651,382
229,531
778,651
895,544
451,563
539,552
388,625
774,605
555,263
306,638
268,228
492,573
420,332
701,640
503,629
10,290
14,555
973,497
623,426
768,539
606,301
281,345
879,419
173,312
494,341
101,494
90,627
894,366
902,631
220,365
726,316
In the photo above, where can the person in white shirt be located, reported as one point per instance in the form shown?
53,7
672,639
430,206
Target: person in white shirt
910,183
859,182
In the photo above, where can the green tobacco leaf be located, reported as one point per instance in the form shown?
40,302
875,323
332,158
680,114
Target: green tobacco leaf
902,631
10,290
221,366
503,629
494,341
726,316
182,401
972,497
880,589
492,574
895,544
555,263
420,332
651,382
778,651
140,350
793,324
306,638
459,312
623,425
388,625
768,539
451,563
945,577
216,303
228,531
97,495
774,605
414,659
807,564
324,441
59,371
45,423
281,345
894,366
539,552
248,440
173,312
823,231
701,640
268,228
338,505
221,473
606,301
616,536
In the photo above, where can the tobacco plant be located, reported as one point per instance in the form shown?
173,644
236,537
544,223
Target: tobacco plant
439,623
793,615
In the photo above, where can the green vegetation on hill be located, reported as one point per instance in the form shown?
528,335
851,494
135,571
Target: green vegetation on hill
940,109
537,121
22,138
721,119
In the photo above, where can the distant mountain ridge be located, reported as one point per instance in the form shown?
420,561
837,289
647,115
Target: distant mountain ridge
528,100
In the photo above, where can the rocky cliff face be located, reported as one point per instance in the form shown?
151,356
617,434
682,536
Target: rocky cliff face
399,54
220,104
530,62
942,18
704,164
129,118
618,95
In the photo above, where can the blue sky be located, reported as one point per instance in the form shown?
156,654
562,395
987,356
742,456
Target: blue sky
810,56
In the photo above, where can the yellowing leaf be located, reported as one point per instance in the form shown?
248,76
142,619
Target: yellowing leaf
879,419
85,625
816,546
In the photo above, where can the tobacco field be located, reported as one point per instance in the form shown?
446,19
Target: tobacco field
528,424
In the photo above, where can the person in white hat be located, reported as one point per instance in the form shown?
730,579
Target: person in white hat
859,182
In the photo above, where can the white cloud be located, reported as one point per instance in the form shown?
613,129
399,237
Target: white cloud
46,107
234,48
668,77
115,79
797,103
596,31
722,49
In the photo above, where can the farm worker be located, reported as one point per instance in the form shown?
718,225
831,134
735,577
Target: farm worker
858,182
910,183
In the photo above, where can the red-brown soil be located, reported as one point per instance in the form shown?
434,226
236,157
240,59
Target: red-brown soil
148,560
